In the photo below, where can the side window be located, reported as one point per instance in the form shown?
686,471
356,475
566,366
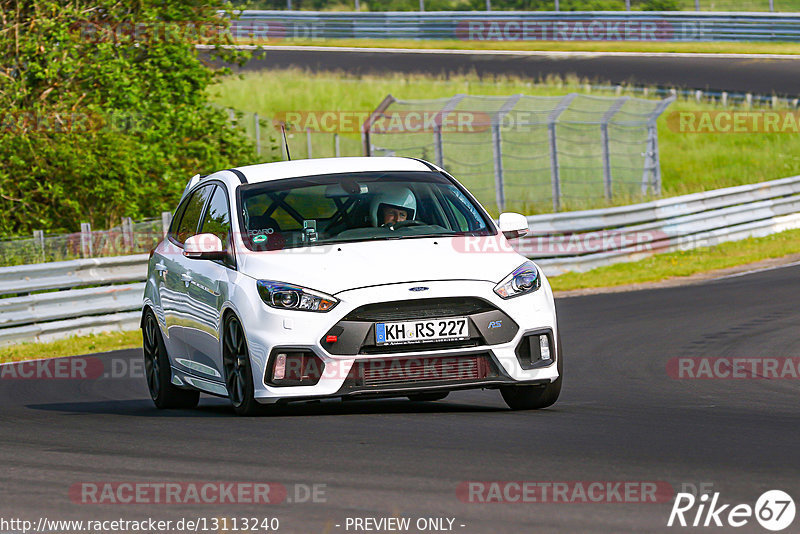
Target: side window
217,220
463,224
186,227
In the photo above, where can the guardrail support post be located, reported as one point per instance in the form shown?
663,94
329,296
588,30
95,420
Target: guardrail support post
86,240
127,232
38,240
166,220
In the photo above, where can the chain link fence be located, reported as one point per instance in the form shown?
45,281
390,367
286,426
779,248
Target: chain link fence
128,238
529,154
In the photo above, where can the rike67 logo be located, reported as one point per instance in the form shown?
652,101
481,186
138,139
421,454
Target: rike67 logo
774,510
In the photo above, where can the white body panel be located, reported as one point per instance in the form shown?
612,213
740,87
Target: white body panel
190,297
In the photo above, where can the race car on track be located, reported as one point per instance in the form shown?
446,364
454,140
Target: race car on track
349,278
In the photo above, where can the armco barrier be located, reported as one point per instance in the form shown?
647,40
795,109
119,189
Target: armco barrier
518,26
105,293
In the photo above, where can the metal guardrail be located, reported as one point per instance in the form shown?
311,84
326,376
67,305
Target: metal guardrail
572,241
519,26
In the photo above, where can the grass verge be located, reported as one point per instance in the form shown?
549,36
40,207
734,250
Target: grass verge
680,264
72,346
554,46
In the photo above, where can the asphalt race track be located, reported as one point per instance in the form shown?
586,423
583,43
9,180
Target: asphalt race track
735,74
620,418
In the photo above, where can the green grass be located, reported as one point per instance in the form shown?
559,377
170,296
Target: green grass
679,264
689,162
555,46
72,346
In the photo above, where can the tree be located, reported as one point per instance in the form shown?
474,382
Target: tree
105,110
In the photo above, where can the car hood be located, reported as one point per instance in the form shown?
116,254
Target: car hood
336,268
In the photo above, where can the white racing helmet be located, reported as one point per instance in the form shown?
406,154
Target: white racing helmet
396,196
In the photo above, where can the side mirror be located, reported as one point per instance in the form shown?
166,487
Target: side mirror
204,247
513,225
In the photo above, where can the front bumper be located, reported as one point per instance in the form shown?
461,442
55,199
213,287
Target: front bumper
355,366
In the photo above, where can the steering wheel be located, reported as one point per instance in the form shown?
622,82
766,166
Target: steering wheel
406,224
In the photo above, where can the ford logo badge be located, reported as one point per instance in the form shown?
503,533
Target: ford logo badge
420,288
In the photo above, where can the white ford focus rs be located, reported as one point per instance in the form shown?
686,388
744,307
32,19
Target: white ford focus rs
349,278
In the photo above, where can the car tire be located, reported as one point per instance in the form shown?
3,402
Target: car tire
536,397
238,371
157,369
428,397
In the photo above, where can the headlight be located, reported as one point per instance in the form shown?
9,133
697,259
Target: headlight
289,297
524,279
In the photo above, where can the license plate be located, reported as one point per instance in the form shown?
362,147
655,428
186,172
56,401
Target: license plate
421,331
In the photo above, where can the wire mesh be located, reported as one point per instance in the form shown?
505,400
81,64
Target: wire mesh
545,151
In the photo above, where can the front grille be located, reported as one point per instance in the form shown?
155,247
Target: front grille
411,371
419,347
402,310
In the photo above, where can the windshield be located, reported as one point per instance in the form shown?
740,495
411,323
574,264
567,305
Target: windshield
337,208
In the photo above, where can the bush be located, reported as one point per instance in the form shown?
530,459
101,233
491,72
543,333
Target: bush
105,110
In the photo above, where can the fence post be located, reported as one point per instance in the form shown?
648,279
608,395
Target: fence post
308,142
488,5
166,220
437,127
557,6
555,175
609,114
127,232
497,152
697,5
366,143
38,242
652,155
258,132
771,5
627,5
497,149
422,5
86,240
336,150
